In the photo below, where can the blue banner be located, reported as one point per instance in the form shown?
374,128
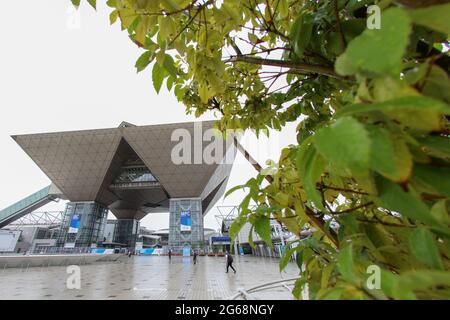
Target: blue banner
186,223
74,224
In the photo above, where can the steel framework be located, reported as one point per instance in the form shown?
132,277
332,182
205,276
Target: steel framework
227,213
45,218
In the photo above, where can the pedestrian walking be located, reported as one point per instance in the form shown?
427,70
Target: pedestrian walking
230,262
195,257
170,254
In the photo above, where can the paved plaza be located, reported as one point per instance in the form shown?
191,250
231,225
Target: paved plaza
149,277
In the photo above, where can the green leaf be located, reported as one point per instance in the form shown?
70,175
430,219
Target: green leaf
326,274
76,3
301,32
409,282
283,8
353,28
436,146
252,38
423,247
167,27
160,57
250,237
232,12
170,82
169,65
93,3
439,212
170,5
286,257
389,282
262,227
436,177
310,166
292,220
298,288
233,190
346,143
417,112
158,75
382,152
394,198
437,84
282,199
113,16
415,103
390,155
434,17
127,18
144,60
346,265
236,226
330,294
203,92
378,51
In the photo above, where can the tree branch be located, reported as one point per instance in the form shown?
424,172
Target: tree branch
344,190
186,26
317,222
355,208
294,67
338,22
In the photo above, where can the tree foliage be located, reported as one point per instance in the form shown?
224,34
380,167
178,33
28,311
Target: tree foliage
370,173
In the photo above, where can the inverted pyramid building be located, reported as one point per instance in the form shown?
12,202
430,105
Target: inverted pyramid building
129,169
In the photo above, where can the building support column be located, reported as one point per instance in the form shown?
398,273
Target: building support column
126,232
186,224
83,225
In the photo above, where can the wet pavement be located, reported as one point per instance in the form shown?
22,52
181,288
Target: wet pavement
149,277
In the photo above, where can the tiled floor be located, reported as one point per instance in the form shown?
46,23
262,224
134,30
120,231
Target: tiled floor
148,277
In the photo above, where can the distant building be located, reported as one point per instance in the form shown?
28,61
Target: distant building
163,235
31,238
279,235
129,171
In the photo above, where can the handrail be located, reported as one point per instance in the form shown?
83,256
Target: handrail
247,293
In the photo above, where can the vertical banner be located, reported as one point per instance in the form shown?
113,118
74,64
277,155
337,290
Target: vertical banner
74,223
186,223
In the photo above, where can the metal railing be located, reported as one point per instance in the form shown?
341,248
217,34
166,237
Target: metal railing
249,294
60,250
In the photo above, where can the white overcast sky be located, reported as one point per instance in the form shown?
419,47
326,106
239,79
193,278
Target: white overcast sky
62,71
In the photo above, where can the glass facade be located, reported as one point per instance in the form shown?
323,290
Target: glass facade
126,232
193,235
83,224
135,174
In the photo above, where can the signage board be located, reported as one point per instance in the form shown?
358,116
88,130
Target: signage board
75,223
185,221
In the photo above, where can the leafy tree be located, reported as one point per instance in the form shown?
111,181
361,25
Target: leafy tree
370,175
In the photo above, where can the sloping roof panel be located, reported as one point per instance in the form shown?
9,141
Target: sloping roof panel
76,162
79,162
